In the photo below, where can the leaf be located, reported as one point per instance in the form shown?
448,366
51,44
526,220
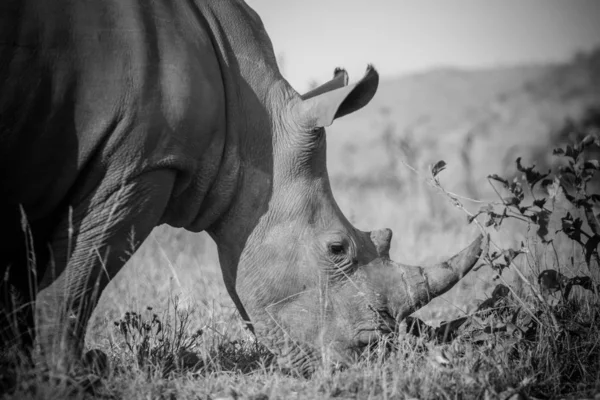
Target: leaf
495,219
516,189
589,139
487,208
581,203
499,179
587,174
500,292
571,152
591,164
565,169
583,281
438,167
523,210
511,201
510,255
572,227
543,219
483,210
568,196
539,203
551,279
449,330
531,175
591,246
547,182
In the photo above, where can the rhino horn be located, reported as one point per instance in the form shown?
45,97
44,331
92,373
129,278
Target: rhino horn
443,276
418,285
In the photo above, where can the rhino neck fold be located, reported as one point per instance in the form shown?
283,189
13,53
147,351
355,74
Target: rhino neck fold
249,75
255,92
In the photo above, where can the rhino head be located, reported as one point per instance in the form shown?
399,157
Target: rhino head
310,283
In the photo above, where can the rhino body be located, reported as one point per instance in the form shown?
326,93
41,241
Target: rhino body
120,115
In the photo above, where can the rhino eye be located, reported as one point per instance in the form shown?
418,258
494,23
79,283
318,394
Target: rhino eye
337,249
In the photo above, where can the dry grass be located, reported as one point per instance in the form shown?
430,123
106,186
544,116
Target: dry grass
181,283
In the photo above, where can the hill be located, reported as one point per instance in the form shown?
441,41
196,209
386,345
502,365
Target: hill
477,120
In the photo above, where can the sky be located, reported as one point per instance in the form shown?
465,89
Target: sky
311,37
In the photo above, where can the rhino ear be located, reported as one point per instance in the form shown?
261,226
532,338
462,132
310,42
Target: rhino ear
339,80
322,108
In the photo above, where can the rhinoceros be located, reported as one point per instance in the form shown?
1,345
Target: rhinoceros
120,115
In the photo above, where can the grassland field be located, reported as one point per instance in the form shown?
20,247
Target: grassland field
479,122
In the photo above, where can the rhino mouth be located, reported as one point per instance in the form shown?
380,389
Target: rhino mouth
385,327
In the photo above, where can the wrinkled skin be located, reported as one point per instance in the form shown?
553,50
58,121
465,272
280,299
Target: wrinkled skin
116,117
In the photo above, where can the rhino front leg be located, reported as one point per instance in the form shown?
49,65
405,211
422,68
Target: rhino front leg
86,259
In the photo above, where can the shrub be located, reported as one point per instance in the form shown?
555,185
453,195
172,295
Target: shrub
157,345
553,341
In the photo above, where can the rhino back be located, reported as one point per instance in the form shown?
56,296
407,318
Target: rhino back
87,88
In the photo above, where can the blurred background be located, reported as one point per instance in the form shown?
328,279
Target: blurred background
474,83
